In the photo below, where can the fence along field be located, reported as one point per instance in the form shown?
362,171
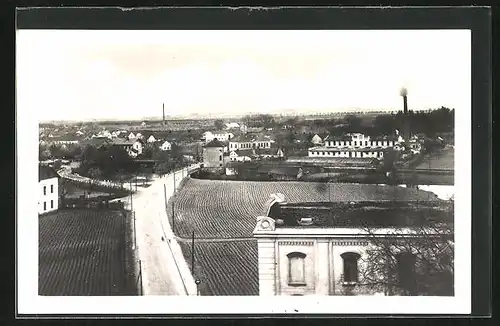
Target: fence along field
228,209
86,253
225,268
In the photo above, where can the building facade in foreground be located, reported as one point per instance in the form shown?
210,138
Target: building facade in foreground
340,248
48,189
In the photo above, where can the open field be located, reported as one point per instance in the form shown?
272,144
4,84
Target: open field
442,160
225,268
228,209
85,252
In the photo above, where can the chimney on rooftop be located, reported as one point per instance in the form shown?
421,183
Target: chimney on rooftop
406,122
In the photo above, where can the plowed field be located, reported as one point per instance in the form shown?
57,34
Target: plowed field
85,253
228,209
225,268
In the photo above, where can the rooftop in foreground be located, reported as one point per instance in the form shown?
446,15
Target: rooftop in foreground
379,214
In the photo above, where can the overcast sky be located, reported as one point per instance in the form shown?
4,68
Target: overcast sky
81,75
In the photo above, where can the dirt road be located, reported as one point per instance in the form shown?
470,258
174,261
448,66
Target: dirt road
164,270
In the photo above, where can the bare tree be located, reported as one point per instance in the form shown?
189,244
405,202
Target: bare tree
417,260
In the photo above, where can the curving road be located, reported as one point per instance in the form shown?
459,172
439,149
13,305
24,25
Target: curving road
164,269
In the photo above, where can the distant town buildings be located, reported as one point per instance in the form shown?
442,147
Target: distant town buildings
354,145
208,136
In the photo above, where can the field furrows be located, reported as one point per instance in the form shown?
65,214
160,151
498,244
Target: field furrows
82,252
227,268
228,209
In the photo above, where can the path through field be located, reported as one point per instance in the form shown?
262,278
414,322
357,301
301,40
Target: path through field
163,266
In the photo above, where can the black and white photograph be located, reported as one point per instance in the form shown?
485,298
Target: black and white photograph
183,171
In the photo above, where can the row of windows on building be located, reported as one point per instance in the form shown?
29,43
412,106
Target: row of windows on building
348,154
250,145
45,190
297,266
45,205
359,143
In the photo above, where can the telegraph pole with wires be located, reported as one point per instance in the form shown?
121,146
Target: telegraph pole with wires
131,201
192,253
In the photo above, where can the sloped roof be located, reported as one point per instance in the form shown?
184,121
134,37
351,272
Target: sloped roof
244,152
245,138
67,138
96,141
214,143
364,213
46,172
122,142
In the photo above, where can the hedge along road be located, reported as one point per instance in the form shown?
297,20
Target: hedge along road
164,269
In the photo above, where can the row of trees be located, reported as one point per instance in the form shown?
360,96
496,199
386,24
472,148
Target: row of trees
428,122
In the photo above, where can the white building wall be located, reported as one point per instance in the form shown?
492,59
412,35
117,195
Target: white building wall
267,267
287,246
49,196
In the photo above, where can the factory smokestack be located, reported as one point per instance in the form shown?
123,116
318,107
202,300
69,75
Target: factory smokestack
163,105
406,122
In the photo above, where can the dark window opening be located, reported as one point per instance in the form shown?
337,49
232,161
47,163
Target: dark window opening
51,189
44,206
350,267
44,190
51,204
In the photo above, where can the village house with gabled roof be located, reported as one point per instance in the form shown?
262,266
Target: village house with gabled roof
133,147
241,155
166,146
151,139
316,139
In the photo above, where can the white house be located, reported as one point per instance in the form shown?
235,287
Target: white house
48,182
232,125
166,146
220,136
249,141
321,249
241,156
131,136
138,135
316,139
151,139
133,147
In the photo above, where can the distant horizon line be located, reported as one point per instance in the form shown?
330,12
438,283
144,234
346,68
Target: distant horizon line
216,116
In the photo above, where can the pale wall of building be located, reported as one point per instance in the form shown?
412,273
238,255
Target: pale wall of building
51,196
213,157
323,264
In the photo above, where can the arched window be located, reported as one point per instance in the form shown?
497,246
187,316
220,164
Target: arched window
296,268
350,267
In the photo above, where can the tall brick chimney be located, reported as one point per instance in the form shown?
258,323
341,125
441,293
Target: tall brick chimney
163,104
406,122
